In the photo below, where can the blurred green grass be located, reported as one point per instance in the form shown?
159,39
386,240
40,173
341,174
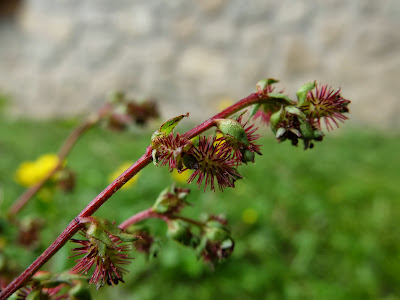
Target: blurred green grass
326,219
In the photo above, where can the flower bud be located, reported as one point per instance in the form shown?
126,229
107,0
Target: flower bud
247,156
215,231
190,161
234,129
217,243
171,200
308,132
179,231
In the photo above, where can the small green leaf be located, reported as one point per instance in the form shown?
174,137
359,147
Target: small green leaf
276,118
262,84
168,126
306,130
302,92
160,206
281,131
254,109
281,98
295,111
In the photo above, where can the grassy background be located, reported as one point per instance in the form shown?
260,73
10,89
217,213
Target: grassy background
326,218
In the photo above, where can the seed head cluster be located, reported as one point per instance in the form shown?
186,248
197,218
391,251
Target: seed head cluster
214,159
107,260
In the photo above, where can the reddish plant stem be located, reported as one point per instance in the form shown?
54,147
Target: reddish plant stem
150,213
112,188
62,154
249,100
18,282
117,184
75,225
143,215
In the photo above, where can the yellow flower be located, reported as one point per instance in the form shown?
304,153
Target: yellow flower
181,177
119,171
224,103
30,173
250,216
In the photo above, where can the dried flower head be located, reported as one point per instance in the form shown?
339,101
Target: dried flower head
215,162
217,243
326,103
143,112
45,285
107,257
172,150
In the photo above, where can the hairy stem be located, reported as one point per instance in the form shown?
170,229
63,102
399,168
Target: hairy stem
98,201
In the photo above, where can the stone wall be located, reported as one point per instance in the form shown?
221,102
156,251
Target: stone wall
64,57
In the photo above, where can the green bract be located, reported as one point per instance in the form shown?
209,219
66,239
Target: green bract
167,127
264,83
233,129
302,92
281,98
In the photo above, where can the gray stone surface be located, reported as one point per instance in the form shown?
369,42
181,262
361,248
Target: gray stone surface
65,57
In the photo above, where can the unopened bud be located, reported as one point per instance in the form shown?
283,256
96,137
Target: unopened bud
234,129
216,232
171,199
179,231
190,161
248,156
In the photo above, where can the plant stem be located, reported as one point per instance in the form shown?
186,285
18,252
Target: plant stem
18,282
97,202
245,102
143,215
